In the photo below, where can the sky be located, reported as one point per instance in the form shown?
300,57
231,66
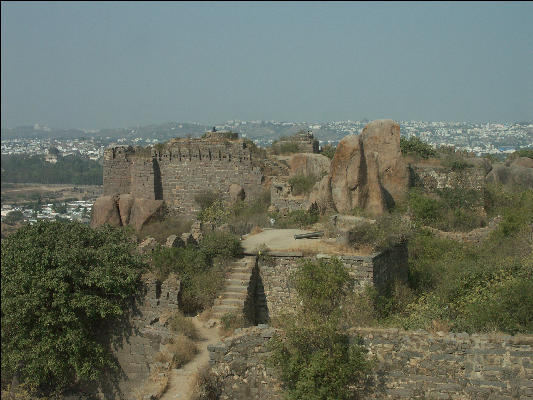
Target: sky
120,64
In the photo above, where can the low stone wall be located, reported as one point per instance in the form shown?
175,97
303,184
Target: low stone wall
450,366
378,269
432,177
239,364
408,365
136,341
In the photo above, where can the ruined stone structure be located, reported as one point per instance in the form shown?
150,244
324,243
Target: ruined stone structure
409,365
274,271
305,140
181,168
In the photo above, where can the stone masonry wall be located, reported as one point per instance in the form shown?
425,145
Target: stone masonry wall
408,365
139,338
377,269
180,169
431,178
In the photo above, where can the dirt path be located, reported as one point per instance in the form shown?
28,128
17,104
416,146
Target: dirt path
181,381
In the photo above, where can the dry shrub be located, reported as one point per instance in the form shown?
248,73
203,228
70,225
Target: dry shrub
183,325
358,309
162,357
183,350
439,326
255,230
208,385
231,321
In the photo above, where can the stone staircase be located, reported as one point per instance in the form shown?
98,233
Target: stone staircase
235,291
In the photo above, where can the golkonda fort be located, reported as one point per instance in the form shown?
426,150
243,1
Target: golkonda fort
384,258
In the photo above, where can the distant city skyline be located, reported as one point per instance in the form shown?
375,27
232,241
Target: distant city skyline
120,64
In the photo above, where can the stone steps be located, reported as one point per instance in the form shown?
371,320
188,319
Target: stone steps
233,295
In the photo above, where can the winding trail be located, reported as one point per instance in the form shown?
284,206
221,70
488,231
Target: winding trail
181,381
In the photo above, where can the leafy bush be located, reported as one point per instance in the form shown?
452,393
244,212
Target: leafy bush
206,198
295,219
314,357
62,284
521,153
217,213
455,209
388,231
220,244
302,184
415,146
13,217
328,151
200,268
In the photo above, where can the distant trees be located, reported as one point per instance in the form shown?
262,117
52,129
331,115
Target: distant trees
71,169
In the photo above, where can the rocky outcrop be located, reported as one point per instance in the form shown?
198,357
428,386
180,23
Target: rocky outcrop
105,211
367,171
309,164
518,173
124,209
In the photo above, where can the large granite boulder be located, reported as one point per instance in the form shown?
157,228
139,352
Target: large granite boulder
125,203
344,173
124,209
105,211
367,171
320,196
517,174
382,138
525,162
309,164
145,211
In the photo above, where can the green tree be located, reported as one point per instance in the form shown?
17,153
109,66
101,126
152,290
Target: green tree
315,358
13,217
63,283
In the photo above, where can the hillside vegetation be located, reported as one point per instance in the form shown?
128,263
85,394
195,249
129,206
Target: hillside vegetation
71,169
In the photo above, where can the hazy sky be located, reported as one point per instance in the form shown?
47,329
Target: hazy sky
96,65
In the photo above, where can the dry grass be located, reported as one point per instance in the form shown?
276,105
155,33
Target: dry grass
229,322
183,325
439,326
207,385
182,349
255,230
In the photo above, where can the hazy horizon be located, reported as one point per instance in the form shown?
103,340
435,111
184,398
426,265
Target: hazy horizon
115,65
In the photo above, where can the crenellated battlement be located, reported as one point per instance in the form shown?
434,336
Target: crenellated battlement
179,169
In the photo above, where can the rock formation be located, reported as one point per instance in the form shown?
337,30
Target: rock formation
309,164
518,173
124,209
367,171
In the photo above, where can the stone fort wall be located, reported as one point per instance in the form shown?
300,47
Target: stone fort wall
180,169
408,365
